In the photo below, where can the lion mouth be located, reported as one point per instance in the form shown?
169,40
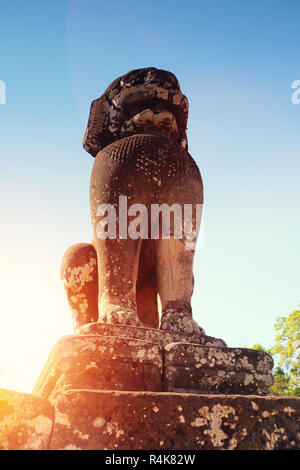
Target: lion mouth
132,109
150,107
150,115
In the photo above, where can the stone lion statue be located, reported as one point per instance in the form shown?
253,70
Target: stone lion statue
137,134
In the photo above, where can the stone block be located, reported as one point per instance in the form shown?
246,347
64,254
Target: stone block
25,421
119,420
101,362
154,335
202,369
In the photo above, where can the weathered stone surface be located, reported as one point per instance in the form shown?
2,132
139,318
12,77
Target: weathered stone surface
137,133
211,381
202,369
79,274
101,362
162,337
25,421
87,419
138,360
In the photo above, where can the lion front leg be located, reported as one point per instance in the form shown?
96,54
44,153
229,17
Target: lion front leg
175,285
117,274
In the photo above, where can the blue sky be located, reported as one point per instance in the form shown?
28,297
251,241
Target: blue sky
235,61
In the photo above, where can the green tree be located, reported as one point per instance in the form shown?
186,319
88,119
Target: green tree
259,347
286,355
287,349
281,383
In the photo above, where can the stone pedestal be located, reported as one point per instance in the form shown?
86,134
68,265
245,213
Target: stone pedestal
104,357
101,362
116,420
131,388
123,420
154,335
211,369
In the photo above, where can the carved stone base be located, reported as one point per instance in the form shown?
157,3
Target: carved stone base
202,369
90,419
162,337
113,390
101,362
119,420
145,359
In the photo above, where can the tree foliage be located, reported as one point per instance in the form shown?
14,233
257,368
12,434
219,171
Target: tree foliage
287,347
286,355
281,384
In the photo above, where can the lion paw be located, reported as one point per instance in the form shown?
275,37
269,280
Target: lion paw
117,315
180,322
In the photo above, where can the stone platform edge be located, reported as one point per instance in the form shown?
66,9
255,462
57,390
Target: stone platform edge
119,420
